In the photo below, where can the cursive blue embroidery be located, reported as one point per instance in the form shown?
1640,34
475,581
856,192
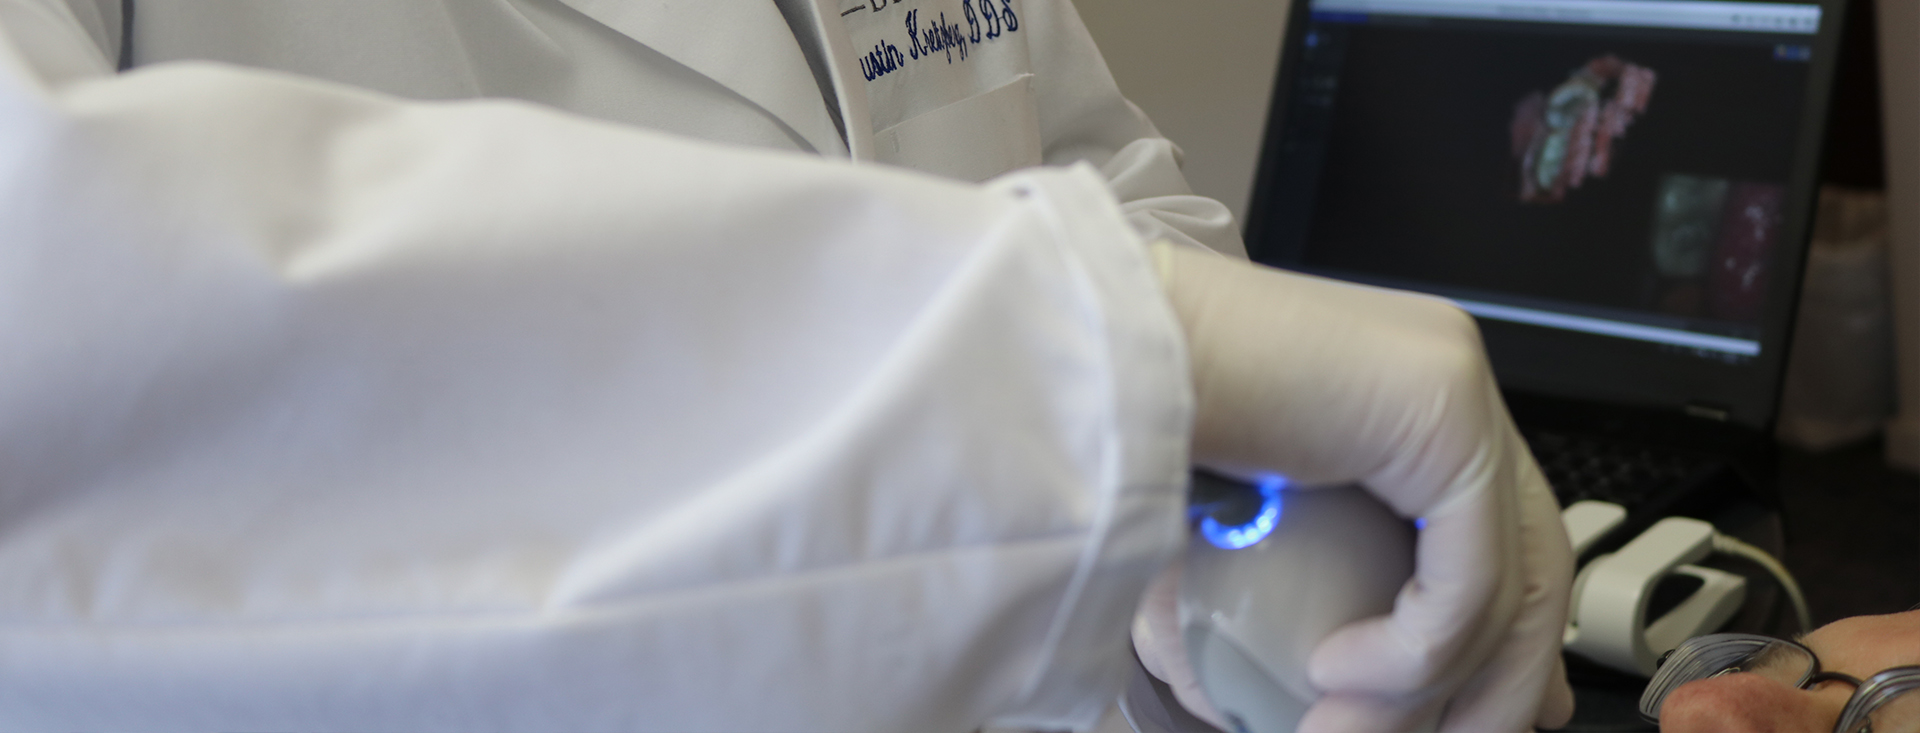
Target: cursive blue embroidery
986,20
996,21
885,58
937,37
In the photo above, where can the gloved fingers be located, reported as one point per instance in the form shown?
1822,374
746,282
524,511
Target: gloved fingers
1556,705
1320,380
1326,382
1444,621
1359,712
1527,665
1163,651
1523,670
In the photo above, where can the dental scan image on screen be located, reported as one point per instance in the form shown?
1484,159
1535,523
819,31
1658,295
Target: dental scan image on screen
1565,136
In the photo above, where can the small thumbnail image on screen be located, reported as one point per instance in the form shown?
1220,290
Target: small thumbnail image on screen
1711,242
1643,174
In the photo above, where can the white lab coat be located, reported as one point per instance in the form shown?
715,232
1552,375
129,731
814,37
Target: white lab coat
323,409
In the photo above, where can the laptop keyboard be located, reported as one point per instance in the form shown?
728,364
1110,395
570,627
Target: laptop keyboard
1632,476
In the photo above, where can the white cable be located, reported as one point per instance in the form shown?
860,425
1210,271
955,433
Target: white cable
1729,546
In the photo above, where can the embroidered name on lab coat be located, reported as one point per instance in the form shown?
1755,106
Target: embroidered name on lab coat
948,84
934,36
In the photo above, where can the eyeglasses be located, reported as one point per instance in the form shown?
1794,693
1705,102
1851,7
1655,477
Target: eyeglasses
1880,704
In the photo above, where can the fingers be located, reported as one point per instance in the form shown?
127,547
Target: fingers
1445,619
1331,383
1359,713
1556,706
1324,381
1522,670
1527,665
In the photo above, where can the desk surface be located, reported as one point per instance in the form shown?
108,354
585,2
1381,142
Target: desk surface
1852,531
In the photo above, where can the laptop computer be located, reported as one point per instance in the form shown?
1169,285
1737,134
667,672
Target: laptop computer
1621,192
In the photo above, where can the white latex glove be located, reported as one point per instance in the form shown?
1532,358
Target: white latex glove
1327,382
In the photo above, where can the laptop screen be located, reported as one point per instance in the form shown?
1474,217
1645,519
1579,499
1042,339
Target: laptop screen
1619,190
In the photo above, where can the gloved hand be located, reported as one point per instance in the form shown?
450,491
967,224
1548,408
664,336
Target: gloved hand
1326,382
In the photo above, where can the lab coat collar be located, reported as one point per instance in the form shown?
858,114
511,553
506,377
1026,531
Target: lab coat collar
758,58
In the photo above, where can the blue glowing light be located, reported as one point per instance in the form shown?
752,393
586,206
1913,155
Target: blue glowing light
1234,537
1420,523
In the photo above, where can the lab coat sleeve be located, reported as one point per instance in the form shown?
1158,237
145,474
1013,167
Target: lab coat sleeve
1083,117
323,410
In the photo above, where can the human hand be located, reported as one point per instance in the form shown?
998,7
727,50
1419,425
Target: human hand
1326,382
1772,696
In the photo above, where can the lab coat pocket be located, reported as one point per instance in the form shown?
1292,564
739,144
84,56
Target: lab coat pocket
973,139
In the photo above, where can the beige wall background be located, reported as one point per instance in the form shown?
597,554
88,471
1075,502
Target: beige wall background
1899,25
1203,70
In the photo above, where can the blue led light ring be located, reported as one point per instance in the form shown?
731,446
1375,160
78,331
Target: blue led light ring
1237,536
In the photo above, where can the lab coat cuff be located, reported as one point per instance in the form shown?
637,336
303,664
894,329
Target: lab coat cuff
1138,524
